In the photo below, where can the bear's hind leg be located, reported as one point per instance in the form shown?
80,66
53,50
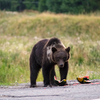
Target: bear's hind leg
34,70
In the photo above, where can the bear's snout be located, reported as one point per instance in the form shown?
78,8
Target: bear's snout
61,65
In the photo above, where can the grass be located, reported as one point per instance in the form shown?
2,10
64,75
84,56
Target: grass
20,31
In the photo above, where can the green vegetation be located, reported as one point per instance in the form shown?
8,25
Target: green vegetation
20,31
57,6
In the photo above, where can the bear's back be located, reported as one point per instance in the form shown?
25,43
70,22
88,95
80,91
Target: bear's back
37,52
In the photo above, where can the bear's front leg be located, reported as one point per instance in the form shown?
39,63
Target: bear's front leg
64,71
51,76
46,73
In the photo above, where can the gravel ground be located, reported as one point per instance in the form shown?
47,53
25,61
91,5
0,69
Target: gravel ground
73,91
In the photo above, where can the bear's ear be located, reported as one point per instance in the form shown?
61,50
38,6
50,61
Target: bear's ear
54,49
68,49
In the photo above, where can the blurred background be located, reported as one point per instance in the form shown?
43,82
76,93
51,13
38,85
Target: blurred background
57,6
24,22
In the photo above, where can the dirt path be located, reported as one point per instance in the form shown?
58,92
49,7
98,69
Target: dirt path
73,91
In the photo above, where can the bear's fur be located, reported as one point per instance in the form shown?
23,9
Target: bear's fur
46,54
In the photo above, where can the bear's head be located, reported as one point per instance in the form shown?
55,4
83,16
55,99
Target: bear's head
60,56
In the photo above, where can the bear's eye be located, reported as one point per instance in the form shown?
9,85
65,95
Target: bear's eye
64,58
57,58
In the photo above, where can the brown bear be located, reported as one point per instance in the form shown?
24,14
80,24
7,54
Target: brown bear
46,54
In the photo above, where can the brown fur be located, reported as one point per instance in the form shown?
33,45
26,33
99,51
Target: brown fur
46,54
